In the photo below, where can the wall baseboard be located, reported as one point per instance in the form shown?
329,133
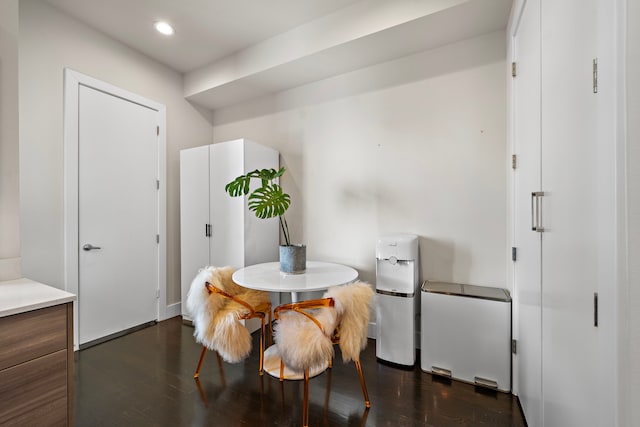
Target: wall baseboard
172,310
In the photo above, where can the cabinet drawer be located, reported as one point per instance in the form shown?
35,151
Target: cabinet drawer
35,392
29,335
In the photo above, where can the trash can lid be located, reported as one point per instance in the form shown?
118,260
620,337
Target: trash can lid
470,291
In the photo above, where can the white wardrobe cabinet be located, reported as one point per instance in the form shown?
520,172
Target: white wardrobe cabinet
216,229
564,211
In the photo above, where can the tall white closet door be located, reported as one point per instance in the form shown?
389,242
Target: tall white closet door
227,213
194,216
526,178
569,163
566,370
570,263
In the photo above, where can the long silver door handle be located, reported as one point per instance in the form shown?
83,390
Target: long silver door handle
90,247
533,216
536,211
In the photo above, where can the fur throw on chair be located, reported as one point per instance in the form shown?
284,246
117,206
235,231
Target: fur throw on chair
352,306
216,319
301,343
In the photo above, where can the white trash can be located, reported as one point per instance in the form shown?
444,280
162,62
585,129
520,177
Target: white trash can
466,333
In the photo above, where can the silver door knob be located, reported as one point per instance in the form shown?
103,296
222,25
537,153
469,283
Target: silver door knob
89,247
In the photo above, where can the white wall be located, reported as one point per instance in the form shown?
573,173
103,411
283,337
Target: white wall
9,187
413,145
49,41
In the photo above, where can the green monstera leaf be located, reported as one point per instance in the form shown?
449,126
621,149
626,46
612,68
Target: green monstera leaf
269,201
266,201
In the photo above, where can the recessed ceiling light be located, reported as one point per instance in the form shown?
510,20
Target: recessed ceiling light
164,28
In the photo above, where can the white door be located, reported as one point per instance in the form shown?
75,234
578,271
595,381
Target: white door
572,173
194,217
228,243
527,268
117,214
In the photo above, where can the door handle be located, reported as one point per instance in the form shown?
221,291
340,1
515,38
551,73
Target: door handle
535,211
90,247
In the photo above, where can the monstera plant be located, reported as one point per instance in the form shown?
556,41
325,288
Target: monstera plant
266,201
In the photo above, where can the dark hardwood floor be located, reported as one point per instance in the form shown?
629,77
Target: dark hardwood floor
146,379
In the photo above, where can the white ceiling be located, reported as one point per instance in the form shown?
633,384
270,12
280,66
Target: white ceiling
231,51
206,30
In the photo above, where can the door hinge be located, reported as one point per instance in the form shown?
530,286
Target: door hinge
595,309
157,293
514,160
514,346
513,69
514,254
157,130
157,238
157,184
207,230
595,75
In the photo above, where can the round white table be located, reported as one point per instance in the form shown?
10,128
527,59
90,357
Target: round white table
318,276
268,277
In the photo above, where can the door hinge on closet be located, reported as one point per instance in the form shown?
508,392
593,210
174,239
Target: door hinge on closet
157,238
514,254
207,230
513,69
514,161
595,75
514,346
595,309
157,130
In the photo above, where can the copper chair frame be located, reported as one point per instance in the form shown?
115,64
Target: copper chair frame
261,311
301,308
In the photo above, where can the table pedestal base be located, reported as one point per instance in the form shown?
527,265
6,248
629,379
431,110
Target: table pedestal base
272,366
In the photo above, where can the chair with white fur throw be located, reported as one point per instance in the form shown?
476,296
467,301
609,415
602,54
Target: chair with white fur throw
217,305
306,331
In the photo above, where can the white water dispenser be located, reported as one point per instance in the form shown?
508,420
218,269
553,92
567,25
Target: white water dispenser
397,297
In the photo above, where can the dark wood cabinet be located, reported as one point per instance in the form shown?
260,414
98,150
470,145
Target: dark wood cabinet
36,367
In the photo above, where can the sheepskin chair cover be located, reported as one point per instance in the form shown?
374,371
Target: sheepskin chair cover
301,344
216,319
231,339
352,307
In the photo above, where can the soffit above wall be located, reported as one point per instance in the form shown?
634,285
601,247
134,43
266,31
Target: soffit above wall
364,34
233,51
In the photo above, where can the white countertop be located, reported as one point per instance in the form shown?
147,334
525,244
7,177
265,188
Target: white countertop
22,295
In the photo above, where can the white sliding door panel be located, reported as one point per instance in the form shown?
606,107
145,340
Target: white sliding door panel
527,268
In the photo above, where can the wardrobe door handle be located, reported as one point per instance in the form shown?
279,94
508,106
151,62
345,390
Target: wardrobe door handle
533,216
536,210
